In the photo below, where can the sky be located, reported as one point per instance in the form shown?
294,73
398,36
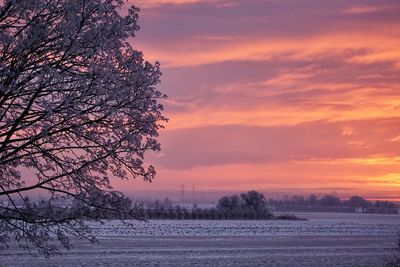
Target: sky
276,95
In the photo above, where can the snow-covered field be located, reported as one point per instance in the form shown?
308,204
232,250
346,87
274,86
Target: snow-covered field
325,239
317,224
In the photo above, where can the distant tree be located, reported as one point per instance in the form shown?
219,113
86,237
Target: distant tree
78,105
356,201
385,204
298,200
312,199
229,203
330,200
253,200
167,203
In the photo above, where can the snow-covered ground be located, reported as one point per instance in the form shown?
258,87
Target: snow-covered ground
317,224
325,239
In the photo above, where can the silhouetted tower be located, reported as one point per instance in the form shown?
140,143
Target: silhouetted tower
193,195
182,193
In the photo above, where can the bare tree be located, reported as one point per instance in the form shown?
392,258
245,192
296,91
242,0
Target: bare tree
253,200
78,105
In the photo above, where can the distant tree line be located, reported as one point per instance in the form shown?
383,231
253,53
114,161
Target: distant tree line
251,205
101,208
331,203
246,206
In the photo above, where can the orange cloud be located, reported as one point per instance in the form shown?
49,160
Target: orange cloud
365,9
154,3
375,47
394,139
363,106
346,178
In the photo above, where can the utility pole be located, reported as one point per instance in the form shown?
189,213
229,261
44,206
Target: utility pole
182,193
193,195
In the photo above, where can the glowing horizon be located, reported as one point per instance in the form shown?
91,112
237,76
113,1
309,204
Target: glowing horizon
275,95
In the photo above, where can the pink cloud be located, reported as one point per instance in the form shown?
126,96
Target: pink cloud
277,94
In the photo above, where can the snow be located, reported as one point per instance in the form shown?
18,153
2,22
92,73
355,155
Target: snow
326,239
317,224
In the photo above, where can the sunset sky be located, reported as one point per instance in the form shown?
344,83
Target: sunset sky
277,95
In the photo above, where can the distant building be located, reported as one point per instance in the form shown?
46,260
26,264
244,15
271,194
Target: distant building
359,210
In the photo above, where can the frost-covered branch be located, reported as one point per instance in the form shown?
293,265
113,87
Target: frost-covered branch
78,106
